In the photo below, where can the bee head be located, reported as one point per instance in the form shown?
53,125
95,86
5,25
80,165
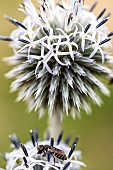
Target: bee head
40,149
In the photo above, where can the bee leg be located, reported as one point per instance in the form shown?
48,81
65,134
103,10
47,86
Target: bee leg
44,155
49,154
54,160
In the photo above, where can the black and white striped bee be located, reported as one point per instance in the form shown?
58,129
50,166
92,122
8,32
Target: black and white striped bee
55,152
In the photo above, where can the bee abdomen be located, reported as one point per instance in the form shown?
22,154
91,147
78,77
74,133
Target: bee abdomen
59,156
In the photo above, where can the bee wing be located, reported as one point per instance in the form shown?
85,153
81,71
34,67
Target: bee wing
56,150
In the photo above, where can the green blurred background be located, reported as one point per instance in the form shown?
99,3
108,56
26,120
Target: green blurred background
95,131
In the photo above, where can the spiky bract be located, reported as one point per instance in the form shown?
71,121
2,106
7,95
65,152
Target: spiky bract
61,54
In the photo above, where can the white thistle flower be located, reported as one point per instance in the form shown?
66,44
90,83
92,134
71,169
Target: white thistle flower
27,157
61,54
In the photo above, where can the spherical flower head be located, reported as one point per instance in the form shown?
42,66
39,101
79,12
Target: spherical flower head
30,156
61,53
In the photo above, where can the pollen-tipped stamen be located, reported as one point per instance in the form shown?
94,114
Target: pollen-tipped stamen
93,6
32,137
24,41
25,162
52,142
101,14
15,22
75,141
87,28
67,140
110,34
4,38
71,151
66,165
59,138
102,22
104,41
15,141
24,150
36,134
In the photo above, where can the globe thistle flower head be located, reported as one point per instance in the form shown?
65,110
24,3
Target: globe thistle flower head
30,156
61,53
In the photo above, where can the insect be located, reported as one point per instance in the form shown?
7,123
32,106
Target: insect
55,152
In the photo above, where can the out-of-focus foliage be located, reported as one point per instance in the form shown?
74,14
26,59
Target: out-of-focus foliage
95,131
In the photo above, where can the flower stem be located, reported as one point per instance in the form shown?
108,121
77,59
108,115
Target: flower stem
54,125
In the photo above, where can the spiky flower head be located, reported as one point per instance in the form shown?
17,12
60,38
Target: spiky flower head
27,156
61,54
